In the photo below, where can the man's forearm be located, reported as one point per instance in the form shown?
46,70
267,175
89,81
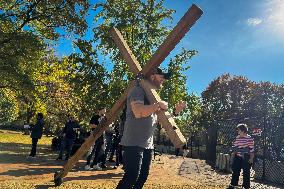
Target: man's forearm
141,110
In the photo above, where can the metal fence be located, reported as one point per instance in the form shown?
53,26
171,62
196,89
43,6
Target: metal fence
268,134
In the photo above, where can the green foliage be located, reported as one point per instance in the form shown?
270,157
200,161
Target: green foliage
26,28
42,18
8,106
90,81
140,23
23,28
18,59
95,75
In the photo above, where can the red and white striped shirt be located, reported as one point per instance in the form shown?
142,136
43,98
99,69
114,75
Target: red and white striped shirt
243,145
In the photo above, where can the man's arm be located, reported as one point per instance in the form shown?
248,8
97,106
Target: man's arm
140,110
179,107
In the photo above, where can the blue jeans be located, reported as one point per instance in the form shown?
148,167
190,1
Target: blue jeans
137,163
68,144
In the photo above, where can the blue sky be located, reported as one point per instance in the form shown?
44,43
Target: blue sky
240,37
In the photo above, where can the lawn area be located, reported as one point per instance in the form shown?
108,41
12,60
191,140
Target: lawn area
17,137
16,171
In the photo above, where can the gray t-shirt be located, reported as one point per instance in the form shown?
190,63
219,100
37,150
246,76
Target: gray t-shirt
138,131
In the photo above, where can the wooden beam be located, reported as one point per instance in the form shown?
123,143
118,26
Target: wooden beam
179,31
164,117
125,51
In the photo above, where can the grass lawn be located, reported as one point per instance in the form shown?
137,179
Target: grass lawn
17,137
16,171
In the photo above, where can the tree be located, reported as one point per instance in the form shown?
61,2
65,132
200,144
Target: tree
25,28
8,106
42,18
227,97
90,79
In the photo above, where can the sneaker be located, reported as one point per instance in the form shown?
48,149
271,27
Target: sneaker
103,167
31,157
230,187
98,168
87,167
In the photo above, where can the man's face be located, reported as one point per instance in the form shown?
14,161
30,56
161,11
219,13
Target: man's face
158,80
102,112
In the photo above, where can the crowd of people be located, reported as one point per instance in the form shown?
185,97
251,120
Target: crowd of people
135,132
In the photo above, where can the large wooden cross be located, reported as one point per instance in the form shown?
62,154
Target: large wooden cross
164,117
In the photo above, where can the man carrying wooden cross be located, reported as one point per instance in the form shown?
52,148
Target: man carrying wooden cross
143,110
138,132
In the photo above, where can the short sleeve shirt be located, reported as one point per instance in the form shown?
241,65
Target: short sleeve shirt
138,131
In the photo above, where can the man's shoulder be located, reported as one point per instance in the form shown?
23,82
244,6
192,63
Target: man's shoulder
136,90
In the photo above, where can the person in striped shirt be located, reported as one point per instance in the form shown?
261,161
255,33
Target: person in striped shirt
242,156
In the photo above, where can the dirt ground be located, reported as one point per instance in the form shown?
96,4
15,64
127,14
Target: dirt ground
167,171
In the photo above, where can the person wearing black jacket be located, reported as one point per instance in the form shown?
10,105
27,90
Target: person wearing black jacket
115,147
69,136
98,146
36,133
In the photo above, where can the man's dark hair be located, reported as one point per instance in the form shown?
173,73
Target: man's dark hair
242,127
95,119
159,71
40,115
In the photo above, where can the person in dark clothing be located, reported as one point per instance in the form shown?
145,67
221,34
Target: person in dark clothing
36,133
115,147
109,134
98,146
69,135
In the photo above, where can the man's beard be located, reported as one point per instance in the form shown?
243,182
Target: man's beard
156,83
